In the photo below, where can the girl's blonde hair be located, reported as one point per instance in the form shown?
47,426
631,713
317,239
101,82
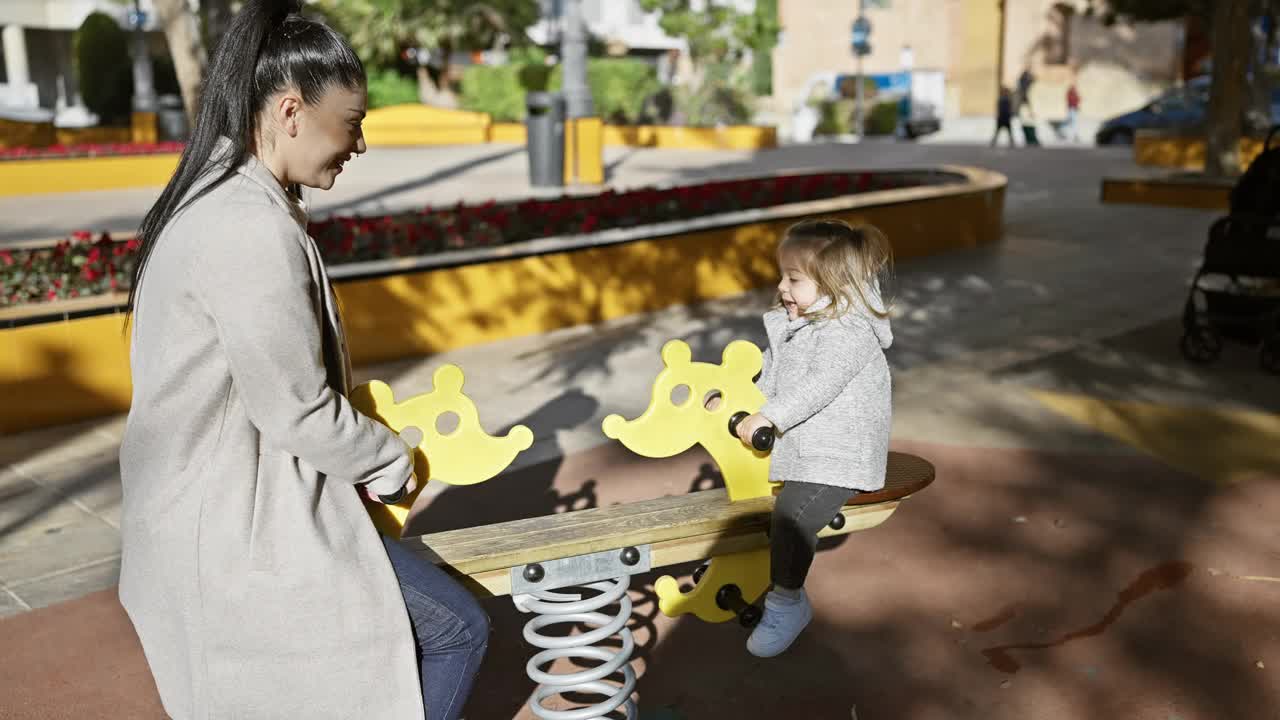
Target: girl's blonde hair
845,262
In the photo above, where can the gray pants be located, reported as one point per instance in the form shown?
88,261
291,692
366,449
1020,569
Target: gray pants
802,509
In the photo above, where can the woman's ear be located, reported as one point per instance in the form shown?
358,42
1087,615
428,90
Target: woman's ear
288,108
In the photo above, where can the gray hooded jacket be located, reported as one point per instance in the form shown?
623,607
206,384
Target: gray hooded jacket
828,392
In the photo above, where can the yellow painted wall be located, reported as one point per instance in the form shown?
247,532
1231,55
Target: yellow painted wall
64,175
396,126
63,371
16,133
1154,149
93,135
415,124
741,137
1164,193
70,370
539,294
977,57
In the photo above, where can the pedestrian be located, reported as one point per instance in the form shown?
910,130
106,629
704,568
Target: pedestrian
1073,112
1004,116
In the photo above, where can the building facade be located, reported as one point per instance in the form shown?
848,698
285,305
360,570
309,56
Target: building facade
37,75
981,44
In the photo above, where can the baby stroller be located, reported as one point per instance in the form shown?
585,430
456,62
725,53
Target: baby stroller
1236,292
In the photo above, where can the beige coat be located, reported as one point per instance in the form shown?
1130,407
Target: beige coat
252,573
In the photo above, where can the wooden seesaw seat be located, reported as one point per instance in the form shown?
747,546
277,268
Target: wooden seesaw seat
678,529
81,659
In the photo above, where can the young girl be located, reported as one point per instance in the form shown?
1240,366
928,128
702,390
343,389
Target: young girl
827,396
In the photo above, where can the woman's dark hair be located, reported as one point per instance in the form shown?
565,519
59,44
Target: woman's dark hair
268,47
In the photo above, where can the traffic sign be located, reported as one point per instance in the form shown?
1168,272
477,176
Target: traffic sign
861,37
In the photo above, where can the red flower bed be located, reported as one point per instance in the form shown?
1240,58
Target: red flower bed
430,230
83,266
78,267
89,150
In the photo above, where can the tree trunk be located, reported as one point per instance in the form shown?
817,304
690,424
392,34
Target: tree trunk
1231,48
433,93
187,49
217,16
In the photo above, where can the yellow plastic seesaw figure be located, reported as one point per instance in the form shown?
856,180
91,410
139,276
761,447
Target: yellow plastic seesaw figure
465,455
678,417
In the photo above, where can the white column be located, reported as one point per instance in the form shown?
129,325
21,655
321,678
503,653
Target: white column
15,57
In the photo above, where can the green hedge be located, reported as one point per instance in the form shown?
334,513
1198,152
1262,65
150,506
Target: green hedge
619,87
883,118
389,87
836,117
495,90
104,67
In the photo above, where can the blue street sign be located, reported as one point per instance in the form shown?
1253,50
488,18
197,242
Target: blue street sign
137,18
861,37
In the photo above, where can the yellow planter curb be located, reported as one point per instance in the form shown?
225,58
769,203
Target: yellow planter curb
1153,148
67,175
396,126
1167,192
64,370
745,137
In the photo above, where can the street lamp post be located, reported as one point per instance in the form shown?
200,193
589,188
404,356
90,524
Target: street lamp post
861,46
573,52
144,90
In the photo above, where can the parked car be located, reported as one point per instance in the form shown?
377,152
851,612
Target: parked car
1178,107
1181,107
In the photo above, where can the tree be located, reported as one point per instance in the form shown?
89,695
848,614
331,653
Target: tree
187,49
1228,21
104,67
717,33
384,33
216,15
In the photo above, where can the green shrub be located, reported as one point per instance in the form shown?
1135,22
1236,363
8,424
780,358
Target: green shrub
619,87
495,90
835,117
723,97
104,67
389,87
883,118
838,117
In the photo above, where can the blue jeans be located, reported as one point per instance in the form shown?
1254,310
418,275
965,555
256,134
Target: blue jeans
449,627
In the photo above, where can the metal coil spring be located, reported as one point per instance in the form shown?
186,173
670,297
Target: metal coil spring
556,607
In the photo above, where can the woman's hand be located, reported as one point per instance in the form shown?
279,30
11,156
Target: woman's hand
750,425
405,491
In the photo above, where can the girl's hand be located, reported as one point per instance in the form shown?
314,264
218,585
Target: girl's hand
749,425
410,485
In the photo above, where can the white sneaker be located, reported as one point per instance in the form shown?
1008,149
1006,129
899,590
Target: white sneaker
782,622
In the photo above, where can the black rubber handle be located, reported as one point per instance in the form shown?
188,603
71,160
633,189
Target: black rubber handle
395,497
761,440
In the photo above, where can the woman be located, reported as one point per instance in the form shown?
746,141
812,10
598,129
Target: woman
251,571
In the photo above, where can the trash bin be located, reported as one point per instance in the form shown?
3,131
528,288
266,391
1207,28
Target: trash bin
544,123
171,118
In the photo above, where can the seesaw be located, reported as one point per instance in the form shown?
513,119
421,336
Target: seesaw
536,560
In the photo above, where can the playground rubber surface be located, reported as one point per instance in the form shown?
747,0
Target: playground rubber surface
1022,584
